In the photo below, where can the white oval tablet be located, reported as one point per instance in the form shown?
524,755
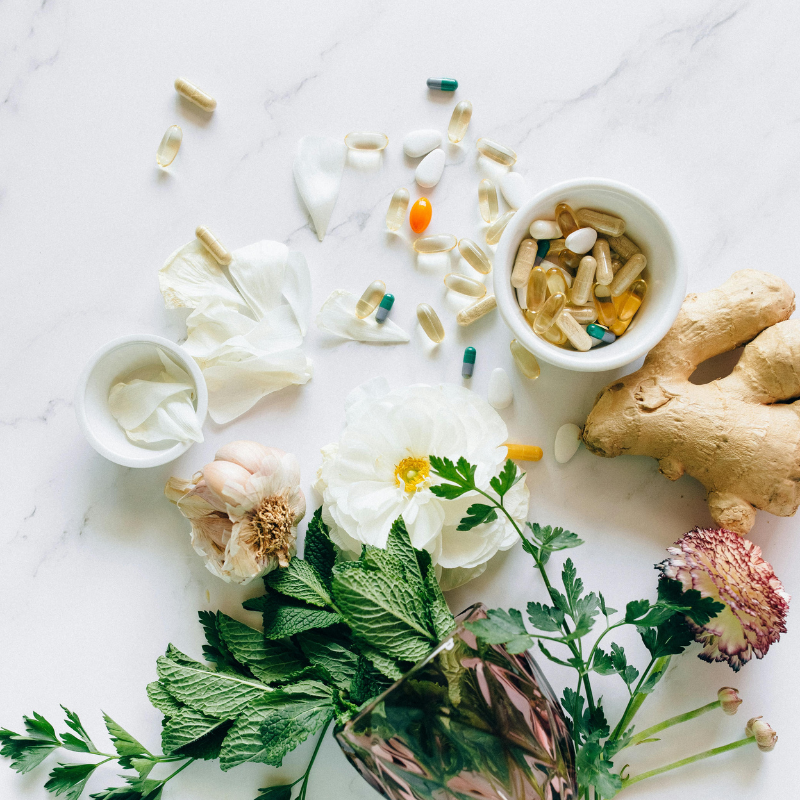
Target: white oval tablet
430,169
418,143
545,229
568,440
501,395
514,189
581,241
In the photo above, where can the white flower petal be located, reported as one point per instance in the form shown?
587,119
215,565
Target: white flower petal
174,419
258,272
337,316
297,288
212,324
453,578
317,168
132,402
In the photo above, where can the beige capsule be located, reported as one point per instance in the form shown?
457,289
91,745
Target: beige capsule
584,279
477,310
495,230
213,245
195,95
525,361
430,323
459,121
555,335
487,200
462,284
368,301
623,246
523,264
603,223
549,313
439,243
576,335
602,254
497,152
474,256
616,265
398,206
583,314
366,140
536,293
628,274
170,144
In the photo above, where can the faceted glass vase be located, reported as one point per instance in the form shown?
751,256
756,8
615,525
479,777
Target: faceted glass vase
469,722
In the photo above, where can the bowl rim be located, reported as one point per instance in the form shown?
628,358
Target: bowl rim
157,457
605,358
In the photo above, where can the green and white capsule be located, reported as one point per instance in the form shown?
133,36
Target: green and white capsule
443,84
599,332
384,308
468,365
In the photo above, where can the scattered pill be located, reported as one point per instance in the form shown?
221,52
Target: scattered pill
628,274
213,245
623,246
619,326
556,246
581,241
604,223
602,254
368,301
468,364
523,452
525,360
459,121
575,334
549,312
545,229
477,310
439,243
556,282
430,323
474,256
366,140
195,95
420,143
566,219
500,394
397,209
495,230
170,144
462,284
599,332
487,200
420,216
606,313
536,293
568,440
514,189
443,84
584,279
384,308
542,249
632,299
523,263
555,335
568,260
583,314
429,170
497,152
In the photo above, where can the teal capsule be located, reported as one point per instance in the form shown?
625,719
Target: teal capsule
599,332
542,249
443,84
384,308
468,365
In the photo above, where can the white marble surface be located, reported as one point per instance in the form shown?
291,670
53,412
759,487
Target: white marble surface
694,103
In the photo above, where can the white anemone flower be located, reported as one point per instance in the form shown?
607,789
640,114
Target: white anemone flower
380,470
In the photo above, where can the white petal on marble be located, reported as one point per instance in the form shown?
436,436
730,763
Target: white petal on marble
514,189
258,272
338,316
429,170
297,288
317,169
418,143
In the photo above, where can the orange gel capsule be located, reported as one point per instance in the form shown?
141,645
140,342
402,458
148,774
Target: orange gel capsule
523,452
420,216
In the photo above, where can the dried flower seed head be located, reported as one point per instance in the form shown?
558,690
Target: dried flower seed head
729,700
766,738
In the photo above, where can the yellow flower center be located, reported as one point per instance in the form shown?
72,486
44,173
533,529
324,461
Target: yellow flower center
411,472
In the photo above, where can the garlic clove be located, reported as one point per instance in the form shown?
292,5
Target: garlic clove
249,455
227,480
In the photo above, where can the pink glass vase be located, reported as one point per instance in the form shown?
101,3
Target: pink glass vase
469,722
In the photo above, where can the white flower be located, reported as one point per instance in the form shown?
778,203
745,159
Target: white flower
379,471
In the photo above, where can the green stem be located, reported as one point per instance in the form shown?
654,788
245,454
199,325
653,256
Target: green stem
676,720
635,703
690,760
304,787
180,769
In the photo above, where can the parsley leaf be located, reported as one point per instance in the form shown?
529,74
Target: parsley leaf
69,779
594,769
477,514
502,627
125,745
461,477
547,540
81,743
275,793
27,752
670,638
506,479
690,603
545,618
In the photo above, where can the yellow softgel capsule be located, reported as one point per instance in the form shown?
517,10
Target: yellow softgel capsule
523,452
525,360
623,247
603,223
566,219
555,335
632,300
576,335
497,152
549,313
195,95
461,284
583,314
477,310
556,283
213,245
602,254
487,200
495,230
628,274
523,264
584,279
569,260
619,326
606,313
474,256
439,243
430,323
170,144
366,140
459,121
368,301
398,206
536,293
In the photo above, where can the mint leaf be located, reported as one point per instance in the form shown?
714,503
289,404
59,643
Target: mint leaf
216,651
368,682
502,627
506,479
438,610
383,664
332,654
594,769
275,793
301,581
69,779
162,700
188,728
285,616
173,654
477,514
318,548
545,618
398,546
81,743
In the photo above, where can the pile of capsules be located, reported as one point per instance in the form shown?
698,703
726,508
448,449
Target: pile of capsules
577,278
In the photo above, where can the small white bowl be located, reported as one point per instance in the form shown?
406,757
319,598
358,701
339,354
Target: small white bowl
114,362
666,271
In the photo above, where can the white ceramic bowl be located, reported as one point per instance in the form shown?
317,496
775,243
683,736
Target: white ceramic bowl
666,271
110,364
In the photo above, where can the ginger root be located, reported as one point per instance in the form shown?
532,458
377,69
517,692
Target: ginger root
736,435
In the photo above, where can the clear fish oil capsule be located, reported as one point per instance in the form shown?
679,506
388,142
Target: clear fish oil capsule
420,216
195,95
468,363
584,279
556,284
439,243
576,335
170,144
628,274
602,254
474,256
368,301
487,200
623,246
523,264
523,452
566,219
525,360
430,323
632,300
213,245
603,223
462,284
398,206
384,308
366,140
582,314
569,260
536,293
555,335
549,313
459,121
497,152
606,313
442,84
495,230
477,310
